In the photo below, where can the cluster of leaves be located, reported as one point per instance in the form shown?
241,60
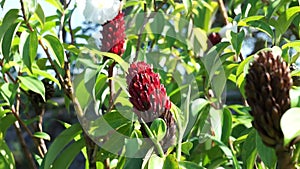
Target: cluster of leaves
213,130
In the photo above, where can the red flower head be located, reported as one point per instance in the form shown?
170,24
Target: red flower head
114,35
148,96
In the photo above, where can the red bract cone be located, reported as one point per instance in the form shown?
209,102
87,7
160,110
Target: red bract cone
267,89
149,98
113,34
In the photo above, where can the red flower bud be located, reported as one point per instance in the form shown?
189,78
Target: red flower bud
114,35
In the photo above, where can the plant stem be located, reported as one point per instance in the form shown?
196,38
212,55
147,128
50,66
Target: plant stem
153,139
223,11
111,84
284,158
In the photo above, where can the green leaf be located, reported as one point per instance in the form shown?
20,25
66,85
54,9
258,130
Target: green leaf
7,39
6,122
273,7
186,147
157,25
295,97
2,3
42,135
33,84
237,40
170,163
241,72
39,13
228,152
267,154
260,24
47,75
10,17
113,56
188,4
290,125
71,48
226,126
249,150
155,162
30,7
200,40
57,49
284,21
28,48
56,4
59,144
189,165
7,160
158,128
8,92
68,155
100,85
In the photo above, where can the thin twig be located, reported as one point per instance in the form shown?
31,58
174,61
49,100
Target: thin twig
223,11
111,84
24,16
24,146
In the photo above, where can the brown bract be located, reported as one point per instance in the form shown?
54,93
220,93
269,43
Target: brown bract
267,89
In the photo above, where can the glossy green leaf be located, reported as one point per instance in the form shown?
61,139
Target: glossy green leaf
59,144
200,40
249,151
100,85
7,160
8,92
226,126
10,17
186,147
290,125
7,40
158,24
237,40
68,155
170,162
261,25
188,4
6,122
267,154
241,72
56,4
33,84
2,3
226,150
28,48
113,56
29,6
158,128
189,165
57,49
39,12
47,75
295,97
155,162
42,135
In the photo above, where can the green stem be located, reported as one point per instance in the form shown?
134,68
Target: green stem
296,155
153,139
178,153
